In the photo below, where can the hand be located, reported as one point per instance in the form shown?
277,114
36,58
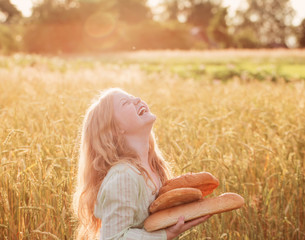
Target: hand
182,226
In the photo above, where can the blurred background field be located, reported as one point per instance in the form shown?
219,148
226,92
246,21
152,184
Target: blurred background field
238,114
95,26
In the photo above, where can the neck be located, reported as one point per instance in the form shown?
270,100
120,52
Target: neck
141,145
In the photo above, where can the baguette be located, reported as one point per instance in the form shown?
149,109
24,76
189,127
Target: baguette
168,217
204,181
175,197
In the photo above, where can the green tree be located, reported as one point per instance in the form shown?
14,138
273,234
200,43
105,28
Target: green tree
9,11
201,14
246,38
210,18
132,11
9,29
301,34
207,17
271,20
218,28
172,9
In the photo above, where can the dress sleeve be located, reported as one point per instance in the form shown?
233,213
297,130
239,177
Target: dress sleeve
117,207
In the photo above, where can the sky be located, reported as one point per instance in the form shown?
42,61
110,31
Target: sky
299,5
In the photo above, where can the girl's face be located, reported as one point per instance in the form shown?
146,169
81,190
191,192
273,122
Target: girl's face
131,113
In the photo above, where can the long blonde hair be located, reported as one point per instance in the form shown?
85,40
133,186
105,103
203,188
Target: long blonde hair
101,147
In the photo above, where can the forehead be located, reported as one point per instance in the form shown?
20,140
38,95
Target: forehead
120,95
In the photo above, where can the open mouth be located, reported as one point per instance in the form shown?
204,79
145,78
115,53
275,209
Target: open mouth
142,110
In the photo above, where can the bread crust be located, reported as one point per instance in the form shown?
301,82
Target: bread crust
175,197
204,181
168,217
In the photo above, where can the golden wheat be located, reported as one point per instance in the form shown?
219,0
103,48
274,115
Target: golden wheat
249,134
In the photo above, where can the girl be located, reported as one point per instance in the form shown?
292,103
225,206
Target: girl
120,171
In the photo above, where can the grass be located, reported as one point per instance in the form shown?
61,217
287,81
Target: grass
237,114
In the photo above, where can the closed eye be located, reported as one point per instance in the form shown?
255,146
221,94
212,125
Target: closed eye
126,102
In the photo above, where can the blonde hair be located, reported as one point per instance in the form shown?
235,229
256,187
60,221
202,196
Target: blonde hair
101,147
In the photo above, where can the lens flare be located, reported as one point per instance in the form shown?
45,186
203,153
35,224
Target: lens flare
100,25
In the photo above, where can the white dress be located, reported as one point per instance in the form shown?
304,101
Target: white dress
122,205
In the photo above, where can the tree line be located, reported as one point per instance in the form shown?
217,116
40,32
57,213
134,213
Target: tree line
86,26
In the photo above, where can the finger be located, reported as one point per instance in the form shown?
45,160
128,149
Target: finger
207,217
196,221
180,223
204,218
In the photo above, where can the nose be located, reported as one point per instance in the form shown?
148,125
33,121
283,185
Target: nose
137,100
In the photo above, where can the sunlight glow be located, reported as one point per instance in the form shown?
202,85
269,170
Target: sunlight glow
25,7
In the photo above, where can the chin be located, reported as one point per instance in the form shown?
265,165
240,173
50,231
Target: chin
153,117
150,119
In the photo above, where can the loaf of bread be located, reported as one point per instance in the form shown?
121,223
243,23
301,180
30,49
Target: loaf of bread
168,217
204,181
175,197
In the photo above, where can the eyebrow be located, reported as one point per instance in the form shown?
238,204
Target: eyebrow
124,98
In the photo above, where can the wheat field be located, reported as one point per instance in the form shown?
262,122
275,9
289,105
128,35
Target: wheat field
237,114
